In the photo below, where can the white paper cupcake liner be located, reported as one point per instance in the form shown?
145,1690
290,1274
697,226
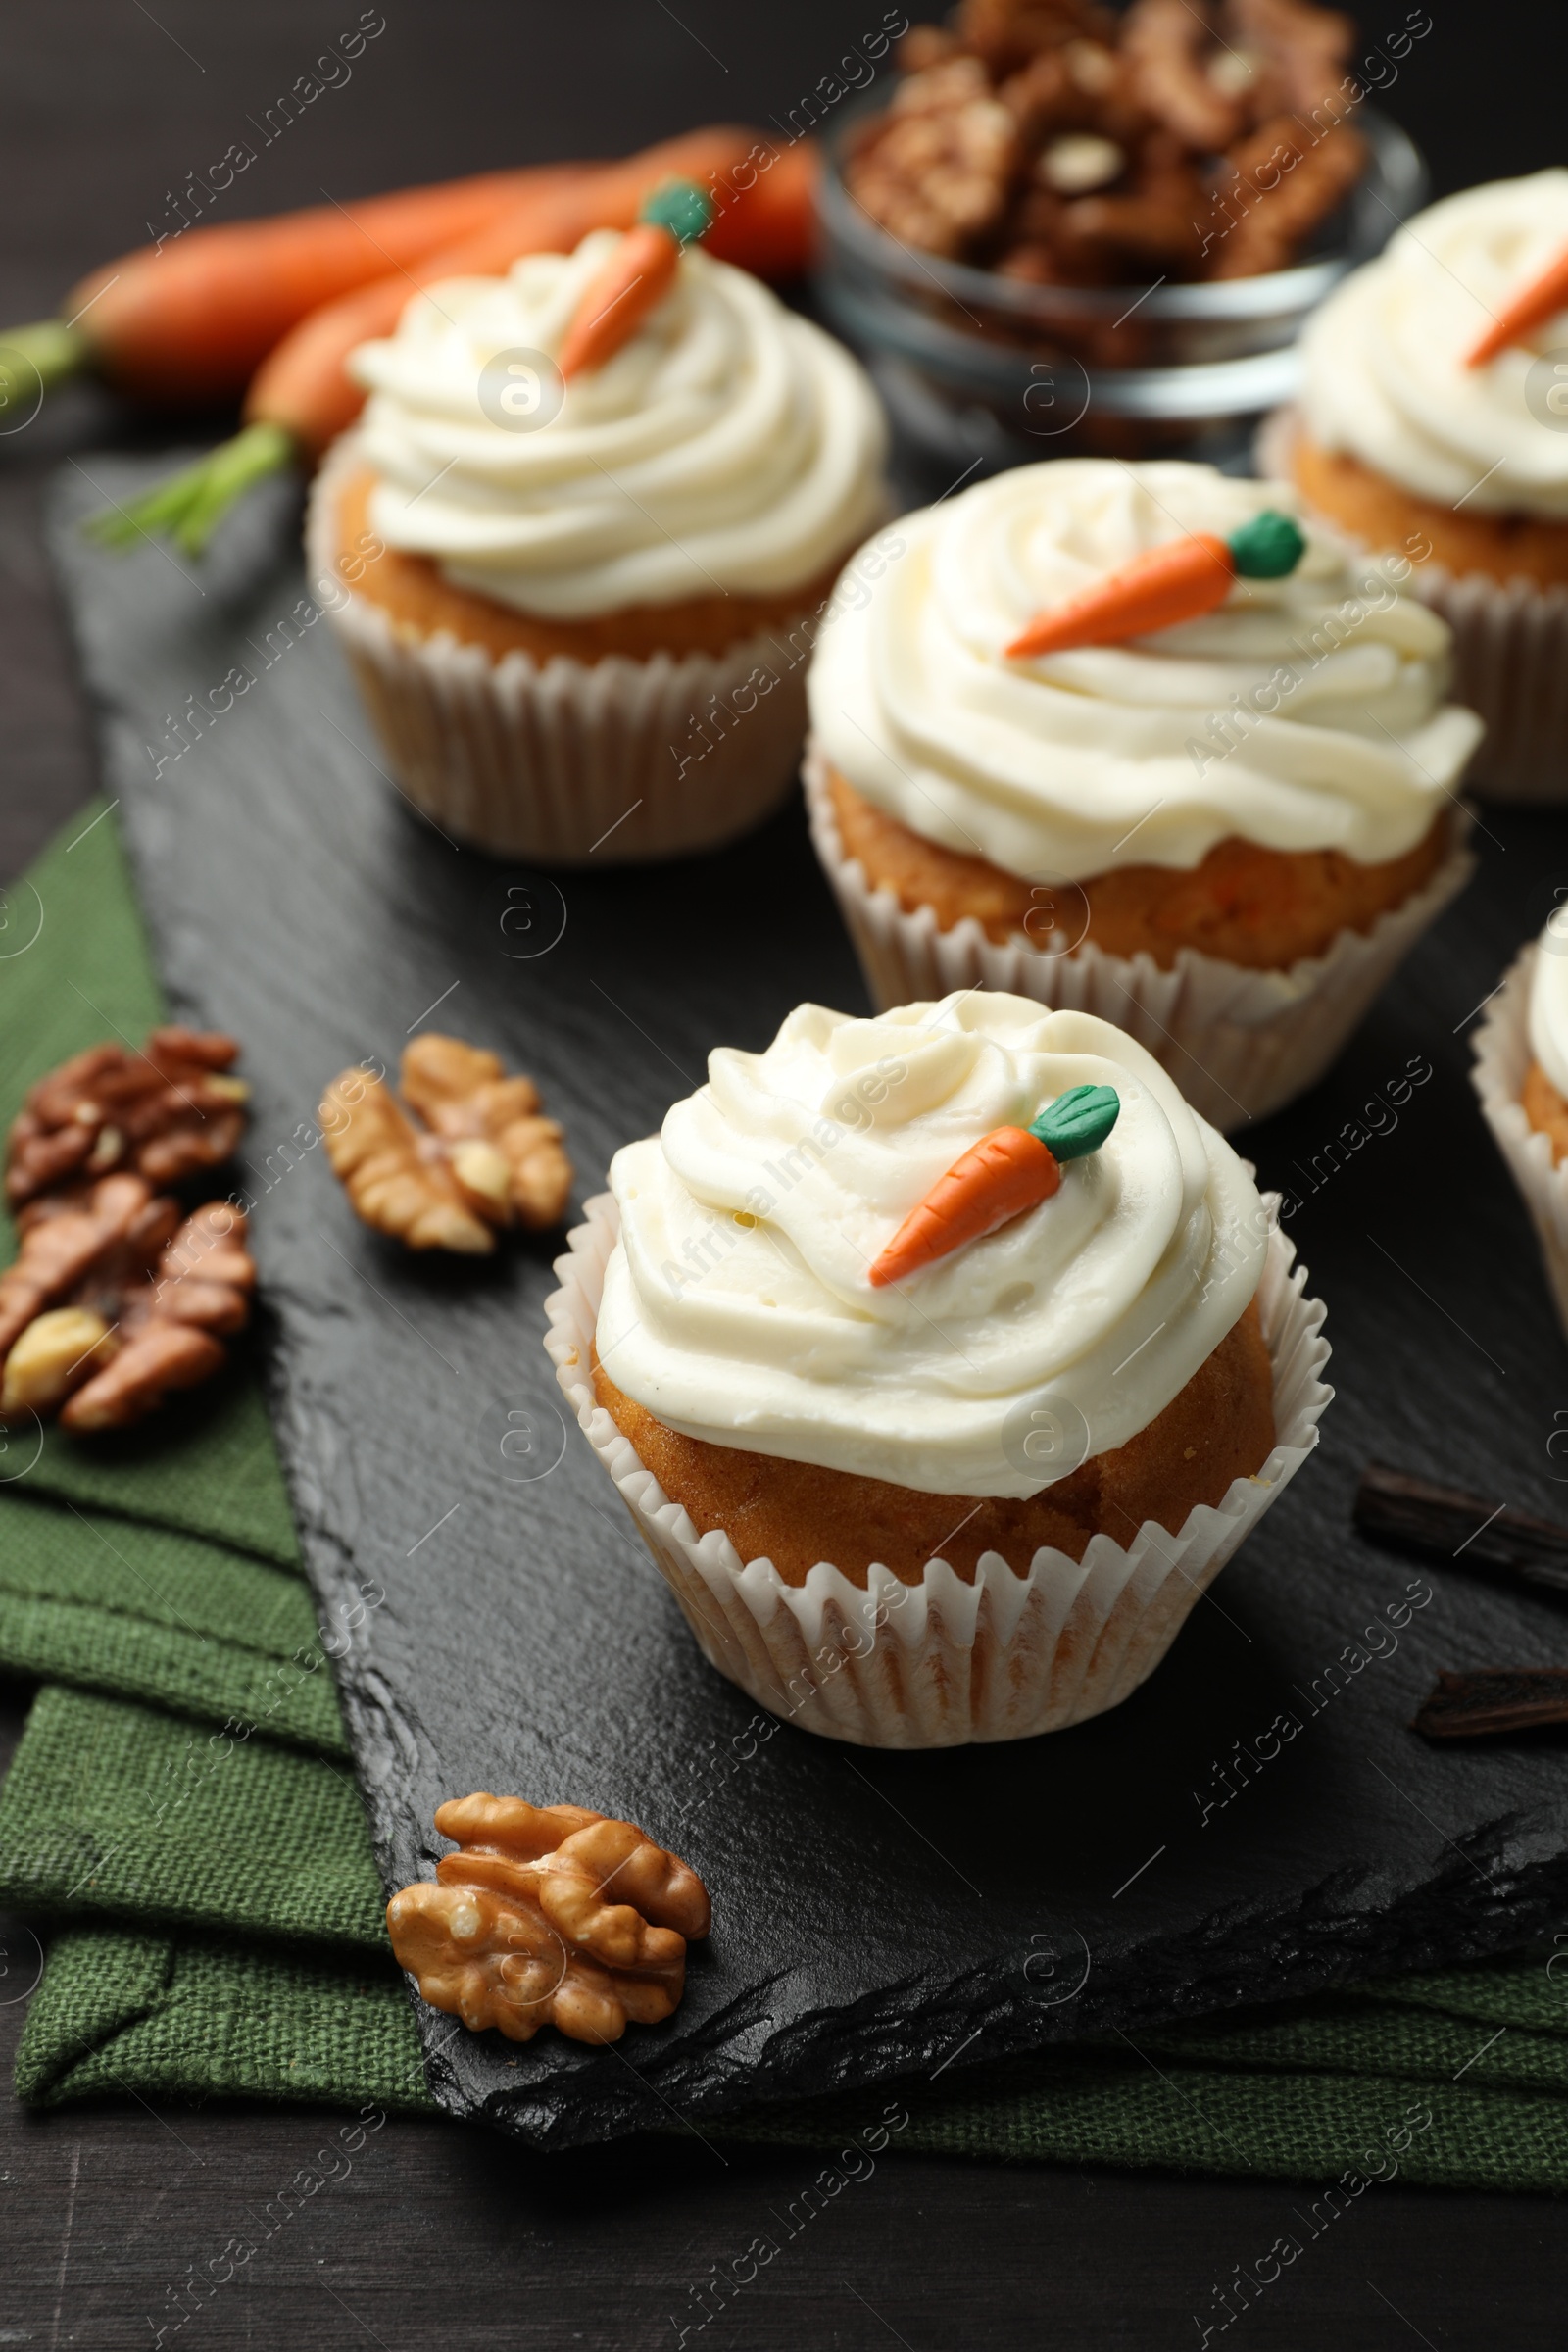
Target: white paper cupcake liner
1502,1055
572,759
1510,659
944,1662
1240,1043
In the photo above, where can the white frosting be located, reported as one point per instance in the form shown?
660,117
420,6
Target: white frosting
737,1306
1327,686
1384,359
1549,1002
728,444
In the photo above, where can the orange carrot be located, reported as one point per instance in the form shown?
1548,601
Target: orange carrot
302,398
633,281
187,321
636,276
1179,580
766,213
1007,1171
1540,300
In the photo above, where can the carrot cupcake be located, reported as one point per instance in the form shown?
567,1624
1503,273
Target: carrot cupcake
1521,1075
1222,831
1432,425
942,1358
582,531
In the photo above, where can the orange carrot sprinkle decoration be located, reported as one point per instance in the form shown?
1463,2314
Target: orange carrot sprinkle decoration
1179,580
1540,300
1009,1171
636,277
1006,1172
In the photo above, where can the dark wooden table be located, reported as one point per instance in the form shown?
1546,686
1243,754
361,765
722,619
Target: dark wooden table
450,2235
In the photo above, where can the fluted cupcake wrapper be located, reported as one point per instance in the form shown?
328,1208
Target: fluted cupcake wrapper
1510,660
1502,1055
1240,1043
942,1662
1511,663
619,760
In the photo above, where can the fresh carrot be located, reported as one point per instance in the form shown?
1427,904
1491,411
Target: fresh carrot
635,279
1540,300
1007,1172
302,397
1179,580
765,217
187,321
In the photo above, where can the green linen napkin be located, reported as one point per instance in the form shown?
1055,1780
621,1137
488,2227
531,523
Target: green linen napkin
149,1612
181,1814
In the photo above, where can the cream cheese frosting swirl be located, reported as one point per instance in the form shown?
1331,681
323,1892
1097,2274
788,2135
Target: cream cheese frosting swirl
737,1306
1305,713
1384,373
728,444
1549,1002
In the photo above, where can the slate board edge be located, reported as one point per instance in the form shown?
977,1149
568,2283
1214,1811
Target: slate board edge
853,2051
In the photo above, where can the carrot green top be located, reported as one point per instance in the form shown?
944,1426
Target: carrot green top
1268,548
1078,1121
682,207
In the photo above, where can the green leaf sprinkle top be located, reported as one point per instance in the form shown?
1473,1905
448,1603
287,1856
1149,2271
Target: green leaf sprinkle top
1268,547
682,207
1078,1121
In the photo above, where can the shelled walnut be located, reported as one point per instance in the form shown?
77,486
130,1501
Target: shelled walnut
1060,144
168,1111
945,164
549,1915
117,1296
116,1300
1307,179
476,1155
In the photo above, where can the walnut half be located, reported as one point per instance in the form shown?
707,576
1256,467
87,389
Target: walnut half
167,1110
113,1302
476,1155
549,1915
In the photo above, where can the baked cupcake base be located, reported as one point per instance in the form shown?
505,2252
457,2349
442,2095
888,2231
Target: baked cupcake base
1264,909
1510,636
533,752
1218,1429
1238,1042
940,1660
1499,1073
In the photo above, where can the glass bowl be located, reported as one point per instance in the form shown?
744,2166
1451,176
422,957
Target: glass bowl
986,372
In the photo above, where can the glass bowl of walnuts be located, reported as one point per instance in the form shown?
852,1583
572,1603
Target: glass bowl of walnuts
1073,230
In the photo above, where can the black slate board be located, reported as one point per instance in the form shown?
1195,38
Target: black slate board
876,1915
